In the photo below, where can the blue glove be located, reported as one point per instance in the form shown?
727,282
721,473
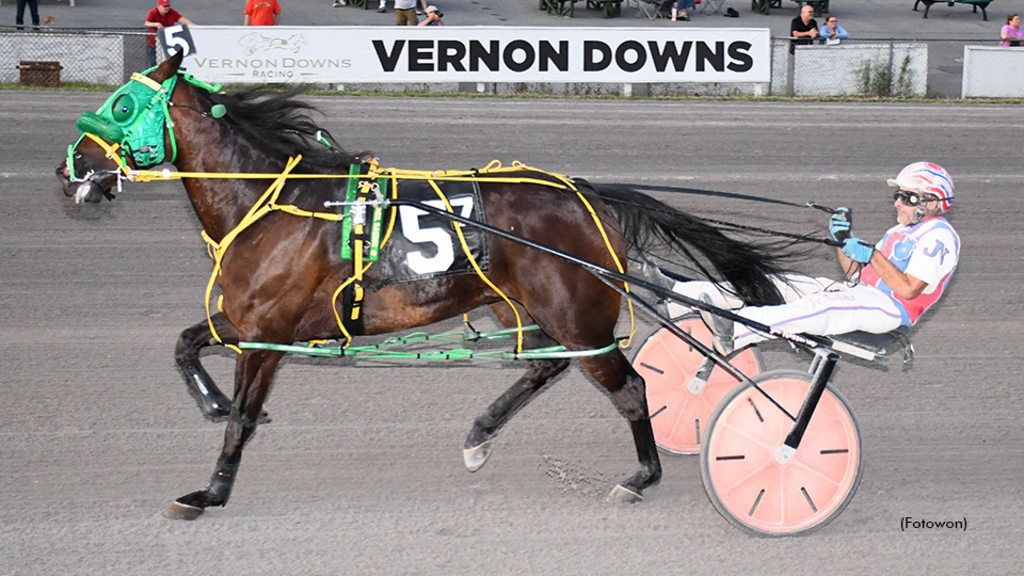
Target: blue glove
858,250
839,225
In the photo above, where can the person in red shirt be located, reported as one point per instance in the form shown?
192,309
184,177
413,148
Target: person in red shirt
262,13
159,17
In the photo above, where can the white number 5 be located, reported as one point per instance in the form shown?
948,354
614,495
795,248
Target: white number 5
445,256
176,39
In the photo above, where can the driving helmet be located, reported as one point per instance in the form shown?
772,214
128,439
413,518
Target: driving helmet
929,180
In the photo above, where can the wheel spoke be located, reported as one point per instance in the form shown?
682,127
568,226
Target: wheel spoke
755,472
814,472
739,432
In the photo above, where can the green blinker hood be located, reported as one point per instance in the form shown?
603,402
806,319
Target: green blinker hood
136,117
93,123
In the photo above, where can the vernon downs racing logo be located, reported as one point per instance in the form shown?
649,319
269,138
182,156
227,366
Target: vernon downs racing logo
591,56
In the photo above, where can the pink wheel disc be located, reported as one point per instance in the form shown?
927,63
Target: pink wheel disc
667,364
753,486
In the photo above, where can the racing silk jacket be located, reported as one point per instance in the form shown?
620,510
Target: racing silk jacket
928,251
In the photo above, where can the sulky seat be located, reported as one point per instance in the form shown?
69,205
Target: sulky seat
882,344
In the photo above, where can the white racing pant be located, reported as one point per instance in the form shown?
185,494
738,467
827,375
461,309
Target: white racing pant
819,306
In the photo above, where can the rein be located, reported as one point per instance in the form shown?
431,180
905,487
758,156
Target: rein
744,227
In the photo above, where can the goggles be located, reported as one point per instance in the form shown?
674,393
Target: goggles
908,198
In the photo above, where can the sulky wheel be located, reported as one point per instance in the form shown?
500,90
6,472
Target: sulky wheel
743,477
680,408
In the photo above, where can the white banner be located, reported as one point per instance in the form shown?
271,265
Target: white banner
234,54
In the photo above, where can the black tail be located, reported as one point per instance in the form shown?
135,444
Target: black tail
649,224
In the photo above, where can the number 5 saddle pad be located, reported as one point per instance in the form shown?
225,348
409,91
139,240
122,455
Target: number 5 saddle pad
425,245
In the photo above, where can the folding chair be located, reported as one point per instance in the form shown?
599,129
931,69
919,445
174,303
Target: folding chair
652,8
711,6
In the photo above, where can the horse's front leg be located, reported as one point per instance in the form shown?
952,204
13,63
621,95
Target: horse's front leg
213,403
253,374
478,445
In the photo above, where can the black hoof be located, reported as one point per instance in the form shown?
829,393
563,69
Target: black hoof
625,495
191,506
179,511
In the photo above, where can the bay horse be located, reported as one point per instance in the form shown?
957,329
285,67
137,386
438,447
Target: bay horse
279,275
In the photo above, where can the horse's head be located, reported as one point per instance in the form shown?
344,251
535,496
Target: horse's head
131,130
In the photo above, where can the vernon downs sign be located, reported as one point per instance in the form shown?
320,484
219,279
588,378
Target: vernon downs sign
478,54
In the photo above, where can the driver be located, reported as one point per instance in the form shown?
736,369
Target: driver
888,285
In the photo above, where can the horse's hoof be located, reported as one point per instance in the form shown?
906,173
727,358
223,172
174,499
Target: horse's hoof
179,511
476,456
622,494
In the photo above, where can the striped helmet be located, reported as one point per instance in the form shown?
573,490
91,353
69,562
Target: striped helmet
929,180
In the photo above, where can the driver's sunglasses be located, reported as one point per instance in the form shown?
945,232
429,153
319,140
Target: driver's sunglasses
908,198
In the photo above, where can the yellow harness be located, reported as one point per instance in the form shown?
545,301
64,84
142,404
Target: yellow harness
268,203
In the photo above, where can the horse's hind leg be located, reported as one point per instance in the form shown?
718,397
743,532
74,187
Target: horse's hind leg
254,373
628,395
214,404
477,448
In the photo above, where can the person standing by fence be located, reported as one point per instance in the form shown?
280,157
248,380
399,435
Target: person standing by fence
804,27
19,16
160,17
832,33
1011,34
405,13
262,13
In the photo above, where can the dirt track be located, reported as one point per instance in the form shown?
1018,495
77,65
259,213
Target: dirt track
361,470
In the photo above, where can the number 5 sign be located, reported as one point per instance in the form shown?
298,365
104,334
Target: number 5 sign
177,38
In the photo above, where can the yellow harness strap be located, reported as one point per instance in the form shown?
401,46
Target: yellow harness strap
111,152
604,235
267,203
358,270
258,210
476,267
147,81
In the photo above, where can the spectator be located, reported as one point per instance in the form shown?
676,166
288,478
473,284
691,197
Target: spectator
383,6
1011,33
832,33
262,13
803,27
433,17
19,16
405,12
160,17
679,10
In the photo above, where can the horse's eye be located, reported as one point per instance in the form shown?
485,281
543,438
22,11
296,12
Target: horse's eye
78,155
124,108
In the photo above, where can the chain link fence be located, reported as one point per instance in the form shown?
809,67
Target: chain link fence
865,67
107,57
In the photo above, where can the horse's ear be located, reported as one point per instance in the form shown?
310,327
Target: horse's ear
168,68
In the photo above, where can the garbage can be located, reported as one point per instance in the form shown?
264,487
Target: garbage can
40,73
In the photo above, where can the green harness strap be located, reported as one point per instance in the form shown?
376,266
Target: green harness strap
380,351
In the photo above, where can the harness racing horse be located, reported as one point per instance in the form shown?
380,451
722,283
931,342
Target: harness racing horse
280,274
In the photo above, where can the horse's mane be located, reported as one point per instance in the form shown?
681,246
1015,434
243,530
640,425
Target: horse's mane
282,125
